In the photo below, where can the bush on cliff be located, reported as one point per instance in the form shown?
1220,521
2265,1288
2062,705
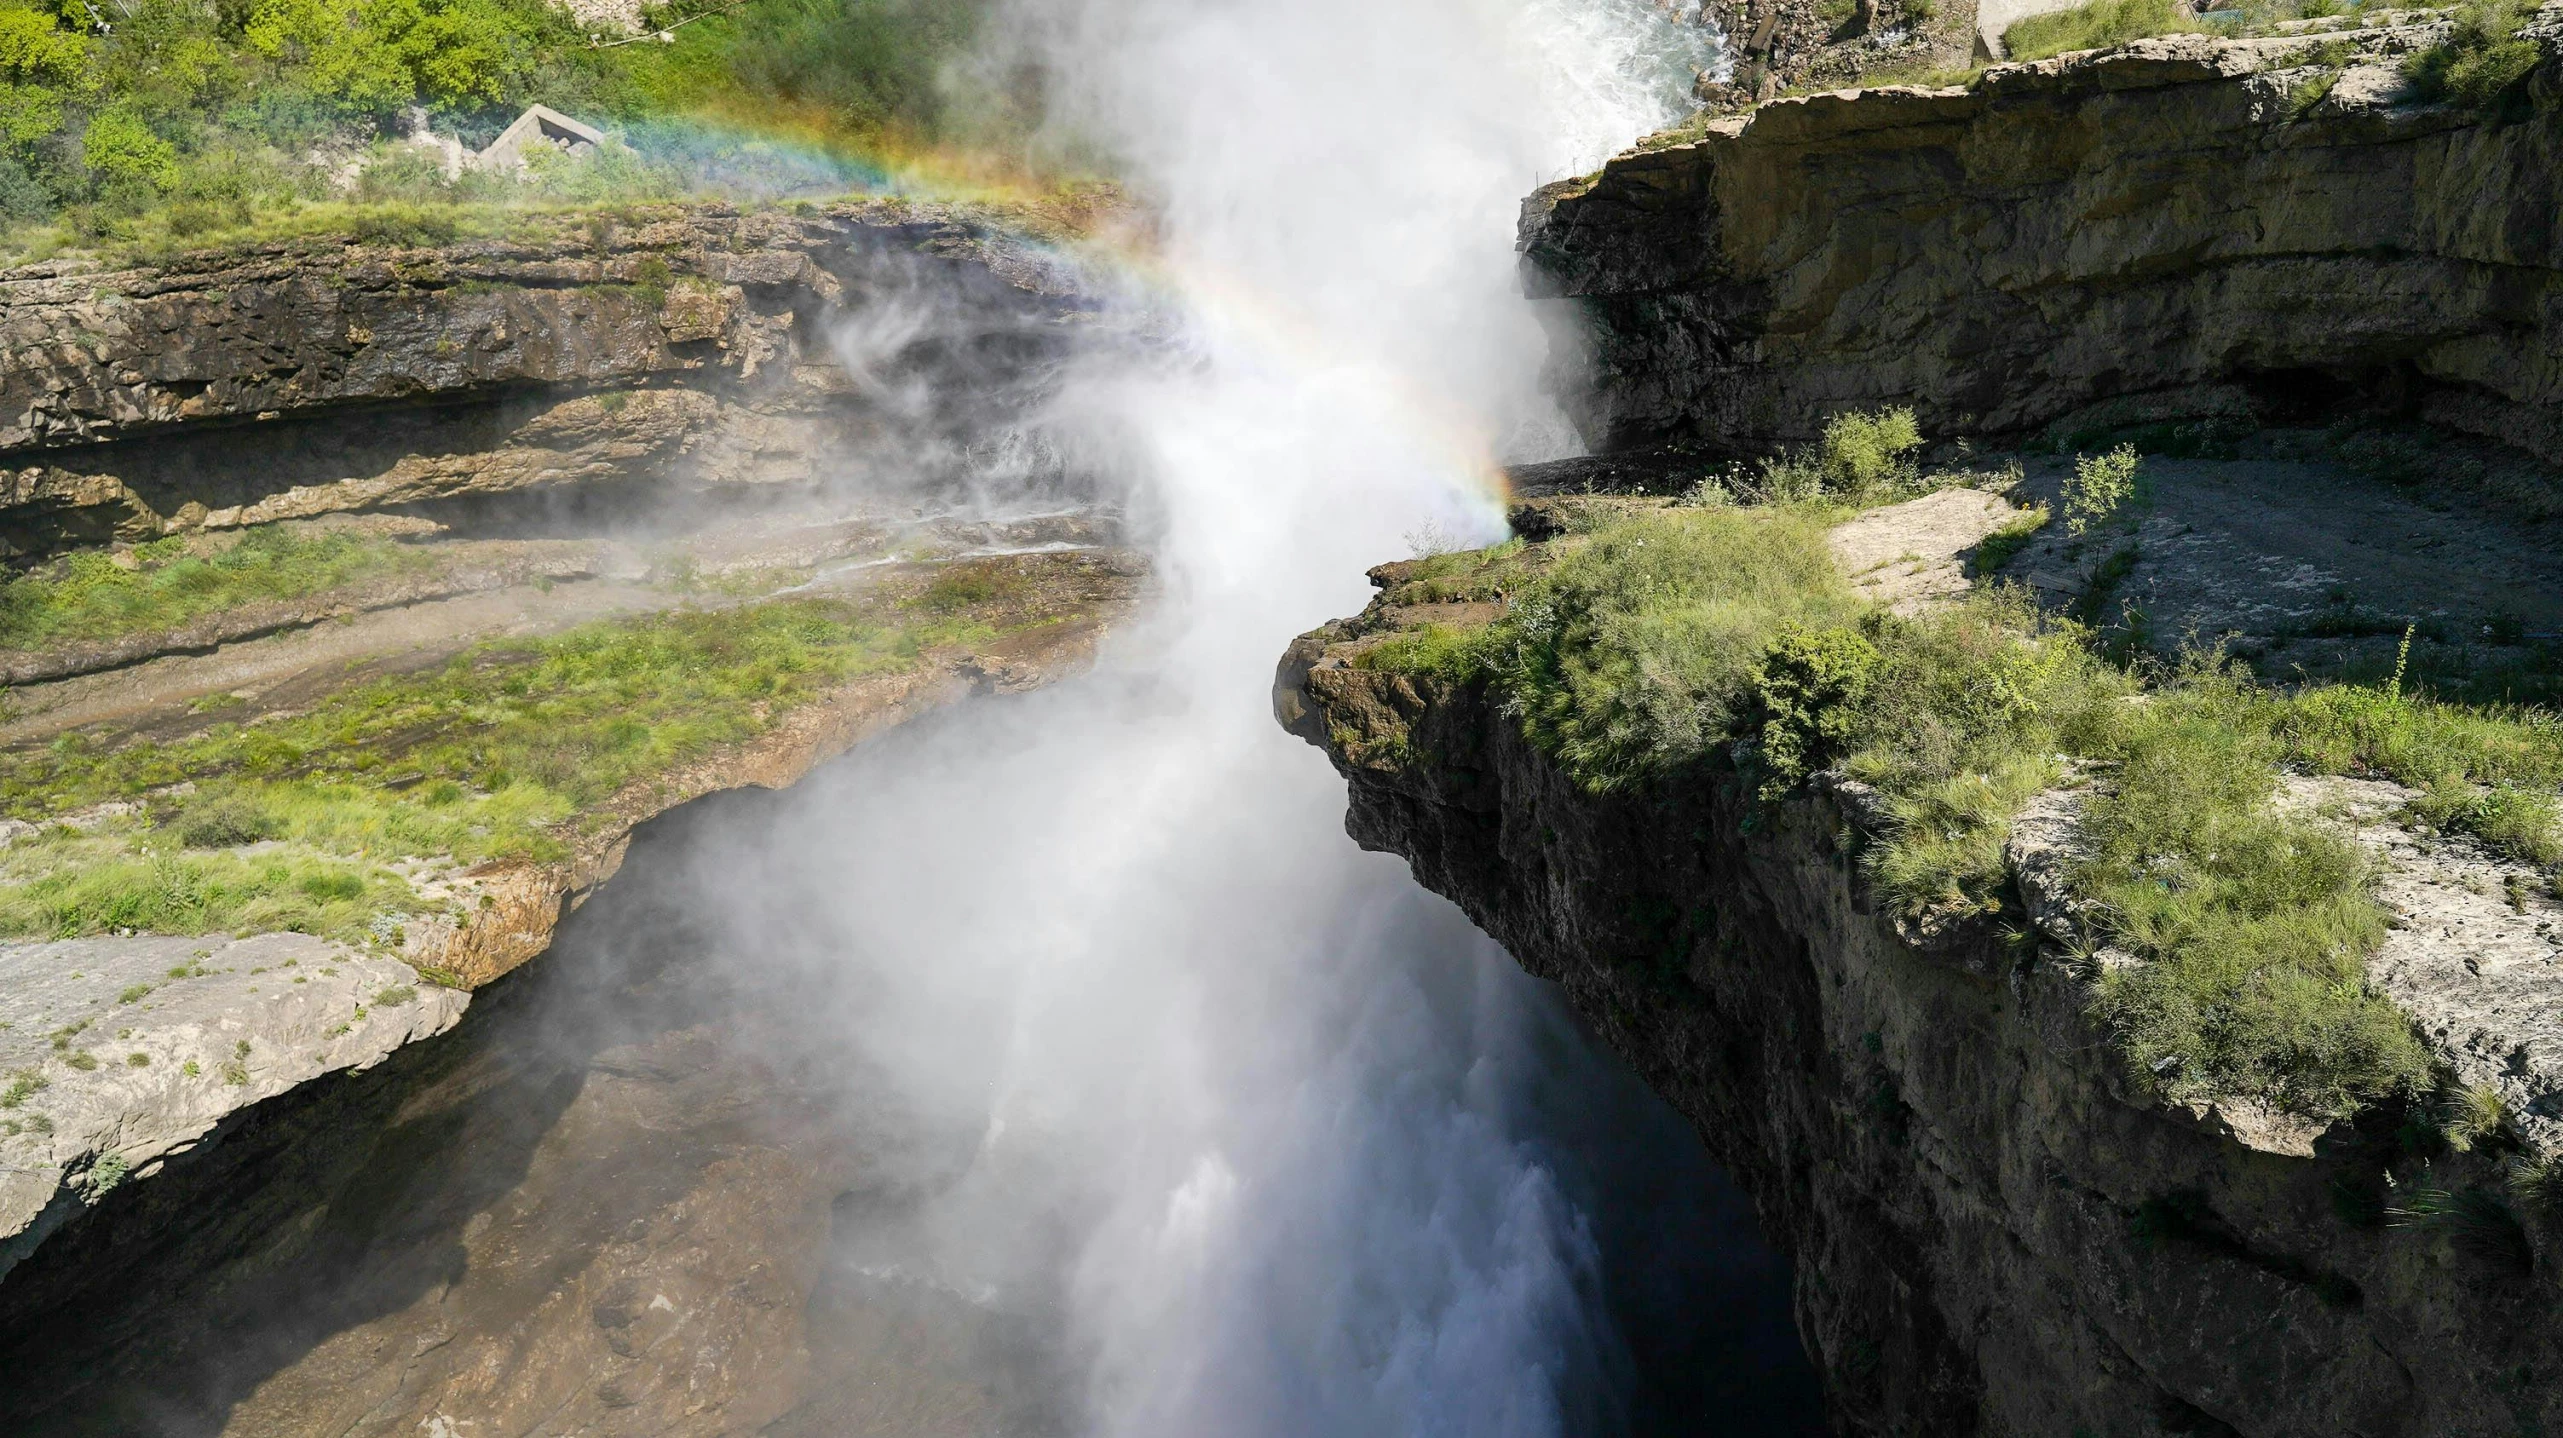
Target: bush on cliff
2482,62
1636,654
2096,26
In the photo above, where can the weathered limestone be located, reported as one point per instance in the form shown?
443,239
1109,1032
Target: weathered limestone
691,346
2176,229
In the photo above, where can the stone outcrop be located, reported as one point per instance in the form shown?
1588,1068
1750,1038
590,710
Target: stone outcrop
677,390
222,1026
690,346
1995,1232
2184,228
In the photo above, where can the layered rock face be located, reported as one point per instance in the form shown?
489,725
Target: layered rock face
602,428
695,347
2184,228
1992,1236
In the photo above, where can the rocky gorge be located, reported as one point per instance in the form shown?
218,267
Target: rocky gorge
2235,257
593,470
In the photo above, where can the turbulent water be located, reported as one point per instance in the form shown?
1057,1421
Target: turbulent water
1148,1104
1274,1138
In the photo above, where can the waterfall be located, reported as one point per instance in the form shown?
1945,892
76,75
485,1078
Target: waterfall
1270,1139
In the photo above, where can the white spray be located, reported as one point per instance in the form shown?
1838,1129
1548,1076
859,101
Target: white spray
1242,1106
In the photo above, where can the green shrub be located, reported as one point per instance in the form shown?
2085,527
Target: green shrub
1634,655
122,150
2097,26
1806,701
226,822
1863,457
2481,62
1867,453
2100,485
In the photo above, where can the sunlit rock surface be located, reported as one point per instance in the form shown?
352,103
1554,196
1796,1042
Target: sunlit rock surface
2171,230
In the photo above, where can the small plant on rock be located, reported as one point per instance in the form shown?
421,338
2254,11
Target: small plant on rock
2100,486
2475,1116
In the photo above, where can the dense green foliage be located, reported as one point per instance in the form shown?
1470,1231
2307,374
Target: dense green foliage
214,113
1692,640
1636,653
2481,62
2096,26
89,596
290,823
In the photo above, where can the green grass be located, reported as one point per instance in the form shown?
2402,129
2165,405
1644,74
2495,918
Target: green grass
2483,63
493,756
2253,925
2097,26
1635,654
1683,639
88,597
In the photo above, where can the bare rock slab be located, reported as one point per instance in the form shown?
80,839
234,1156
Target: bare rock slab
124,1052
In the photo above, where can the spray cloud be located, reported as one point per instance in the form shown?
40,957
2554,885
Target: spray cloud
1248,1119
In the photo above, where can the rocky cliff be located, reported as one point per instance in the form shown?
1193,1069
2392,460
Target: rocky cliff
1995,1231
2186,228
691,347
710,462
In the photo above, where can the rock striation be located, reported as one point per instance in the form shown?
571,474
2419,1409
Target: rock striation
695,347
1995,1232
2183,228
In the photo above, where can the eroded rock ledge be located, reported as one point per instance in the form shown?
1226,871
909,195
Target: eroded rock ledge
2186,227
693,346
1994,1233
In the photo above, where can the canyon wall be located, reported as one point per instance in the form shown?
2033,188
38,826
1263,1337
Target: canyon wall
2185,228
689,346
1991,1235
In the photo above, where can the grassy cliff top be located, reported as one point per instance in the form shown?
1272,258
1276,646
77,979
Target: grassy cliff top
1649,643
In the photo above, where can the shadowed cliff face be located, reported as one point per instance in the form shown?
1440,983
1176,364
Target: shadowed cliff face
2167,231
1995,1231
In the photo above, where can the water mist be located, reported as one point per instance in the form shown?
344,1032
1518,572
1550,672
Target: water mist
1267,1138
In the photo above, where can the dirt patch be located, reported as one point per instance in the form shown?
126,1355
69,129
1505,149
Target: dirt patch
1907,555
